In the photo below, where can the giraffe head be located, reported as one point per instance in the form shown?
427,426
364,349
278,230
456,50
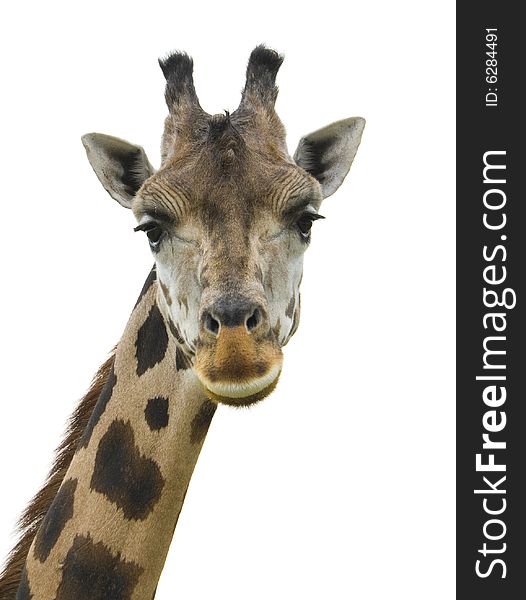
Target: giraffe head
228,217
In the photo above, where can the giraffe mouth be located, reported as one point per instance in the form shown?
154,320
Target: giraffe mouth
237,369
242,393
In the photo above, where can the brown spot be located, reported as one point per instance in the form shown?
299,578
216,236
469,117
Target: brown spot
152,341
24,591
290,307
59,513
276,330
182,361
203,279
100,407
127,478
147,285
175,332
268,284
156,413
183,302
92,572
296,318
166,293
201,422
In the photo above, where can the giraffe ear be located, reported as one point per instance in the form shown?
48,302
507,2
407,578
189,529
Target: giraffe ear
327,153
120,166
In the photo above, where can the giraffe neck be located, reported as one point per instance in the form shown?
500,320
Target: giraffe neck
108,530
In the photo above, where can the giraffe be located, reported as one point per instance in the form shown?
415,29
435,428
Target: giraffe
228,217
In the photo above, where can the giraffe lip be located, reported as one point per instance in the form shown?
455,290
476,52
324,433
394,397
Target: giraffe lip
242,392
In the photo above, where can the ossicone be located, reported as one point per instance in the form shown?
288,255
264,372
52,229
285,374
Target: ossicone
178,70
262,69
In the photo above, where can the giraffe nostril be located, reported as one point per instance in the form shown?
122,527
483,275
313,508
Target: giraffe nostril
254,320
230,312
211,324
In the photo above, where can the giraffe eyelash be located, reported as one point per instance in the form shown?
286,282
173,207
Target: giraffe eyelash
304,223
147,226
154,232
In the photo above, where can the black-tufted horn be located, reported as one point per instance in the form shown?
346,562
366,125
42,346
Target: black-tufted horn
262,68
180,92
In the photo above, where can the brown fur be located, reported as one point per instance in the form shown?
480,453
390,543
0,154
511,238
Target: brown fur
236,356
32,516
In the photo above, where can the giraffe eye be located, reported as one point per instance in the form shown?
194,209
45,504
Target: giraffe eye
154,233
304,223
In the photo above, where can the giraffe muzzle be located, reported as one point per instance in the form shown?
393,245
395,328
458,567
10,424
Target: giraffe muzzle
238,360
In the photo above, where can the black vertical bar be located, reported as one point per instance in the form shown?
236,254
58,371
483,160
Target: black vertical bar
490,120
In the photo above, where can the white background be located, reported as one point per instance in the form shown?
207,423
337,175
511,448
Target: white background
340,485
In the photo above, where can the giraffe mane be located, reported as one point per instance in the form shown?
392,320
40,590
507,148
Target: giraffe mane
30,520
